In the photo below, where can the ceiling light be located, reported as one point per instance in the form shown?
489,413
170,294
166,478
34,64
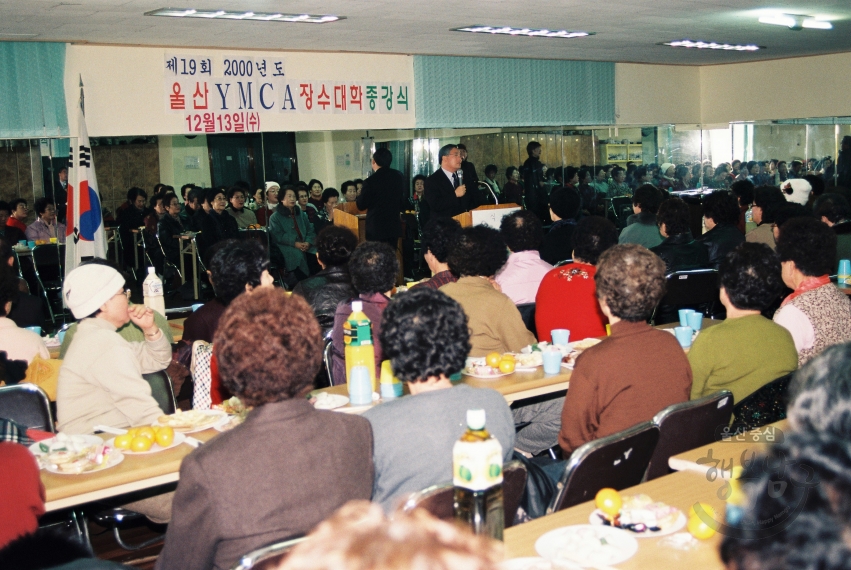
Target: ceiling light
712,45
795,21
531,32
233,15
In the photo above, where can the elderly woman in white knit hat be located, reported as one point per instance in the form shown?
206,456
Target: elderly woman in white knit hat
266,207
100,381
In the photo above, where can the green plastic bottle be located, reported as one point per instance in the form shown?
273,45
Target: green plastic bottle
357,336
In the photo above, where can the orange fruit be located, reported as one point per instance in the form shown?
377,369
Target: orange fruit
165,436
609,501
699,529
506,366
705,507
508,356
123,441
140,443
146,431
133,432
493,359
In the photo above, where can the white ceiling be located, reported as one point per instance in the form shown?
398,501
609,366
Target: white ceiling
625,31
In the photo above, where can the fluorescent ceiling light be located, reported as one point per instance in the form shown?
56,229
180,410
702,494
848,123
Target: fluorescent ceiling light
795,21
712,45
15,35
531,32
242,15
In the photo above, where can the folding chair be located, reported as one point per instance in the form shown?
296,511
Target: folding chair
162,390
621,208
564,262
439,500
28,405
688,425
617,461
327,359
527,312
49,266
268,557
697,289
765,406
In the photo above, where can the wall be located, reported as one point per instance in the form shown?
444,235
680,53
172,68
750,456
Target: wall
20,173
781,89
173,154
657,94
119,167
125,94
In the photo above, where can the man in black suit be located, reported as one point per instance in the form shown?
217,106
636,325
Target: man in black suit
445,192
471,177
384,197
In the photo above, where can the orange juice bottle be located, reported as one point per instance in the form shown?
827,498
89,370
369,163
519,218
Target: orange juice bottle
357,336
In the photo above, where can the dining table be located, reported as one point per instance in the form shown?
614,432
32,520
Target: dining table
680,490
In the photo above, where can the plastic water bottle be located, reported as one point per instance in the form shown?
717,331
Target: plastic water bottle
152,290
477,477
357,336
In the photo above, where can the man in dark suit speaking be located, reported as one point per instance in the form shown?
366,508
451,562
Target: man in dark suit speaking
384,198
445,192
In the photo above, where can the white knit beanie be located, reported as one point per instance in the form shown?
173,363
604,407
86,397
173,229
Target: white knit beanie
272,184
88,287
796,190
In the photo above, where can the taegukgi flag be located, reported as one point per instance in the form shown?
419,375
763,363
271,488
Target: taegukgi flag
84,234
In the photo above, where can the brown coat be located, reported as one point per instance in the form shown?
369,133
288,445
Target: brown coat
625,380
276,476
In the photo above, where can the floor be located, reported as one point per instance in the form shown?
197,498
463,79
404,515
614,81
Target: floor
106,548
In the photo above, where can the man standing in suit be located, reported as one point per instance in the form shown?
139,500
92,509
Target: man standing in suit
471,177
445,192
383,197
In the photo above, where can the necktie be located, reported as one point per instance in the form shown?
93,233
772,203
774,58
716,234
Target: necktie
455,179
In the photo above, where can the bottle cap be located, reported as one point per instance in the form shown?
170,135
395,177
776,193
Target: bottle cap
357,306
151,270
476,419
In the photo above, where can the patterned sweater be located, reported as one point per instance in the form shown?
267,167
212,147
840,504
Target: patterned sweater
817,320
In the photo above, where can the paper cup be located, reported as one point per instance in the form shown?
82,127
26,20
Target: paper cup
552,361
560,336
684,313
684,336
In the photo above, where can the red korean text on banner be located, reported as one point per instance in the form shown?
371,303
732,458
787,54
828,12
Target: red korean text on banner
199,98
340,97
306,92
178,100
323,99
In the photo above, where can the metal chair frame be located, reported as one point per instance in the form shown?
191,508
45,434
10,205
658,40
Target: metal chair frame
34,392
60,258
251,559
328,359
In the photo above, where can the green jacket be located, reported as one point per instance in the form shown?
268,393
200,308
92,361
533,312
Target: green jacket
283,236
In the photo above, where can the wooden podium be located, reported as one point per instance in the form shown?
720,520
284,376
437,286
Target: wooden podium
488,214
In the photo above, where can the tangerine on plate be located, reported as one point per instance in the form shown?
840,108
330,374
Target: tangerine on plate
493,359
123,441
165,436
609,501
147,431
699,529
141,443
506,366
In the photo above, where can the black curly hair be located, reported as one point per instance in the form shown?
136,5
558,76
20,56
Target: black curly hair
335,244
750,274
674,213
373,267
820,393
565,203
8,287
722,207
832,206
769,199
477,251
810,244
522,231
424,333
647,197
438,235
593,236
237,263
744,191
788,210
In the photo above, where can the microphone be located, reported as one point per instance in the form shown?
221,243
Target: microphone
460,174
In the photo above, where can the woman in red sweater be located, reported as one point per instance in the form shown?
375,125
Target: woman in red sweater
567,297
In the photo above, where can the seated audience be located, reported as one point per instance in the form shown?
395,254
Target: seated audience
833,210
325,290
373,267
816,313
567,296
100,381
438,235
21,493
217,224
359,537
269,200
12,233
637,371
743,190
522,273
745,351
512,192
720,215
27,310
303,201
190,195
17,343
288,466
243,216
558,243
424,334
678,250
325,217
291,236
641,226
169,228
766,200
18,214
45,226
785,212
495,323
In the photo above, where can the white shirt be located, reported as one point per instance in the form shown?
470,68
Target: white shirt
521,276
450,175
20,344
798,324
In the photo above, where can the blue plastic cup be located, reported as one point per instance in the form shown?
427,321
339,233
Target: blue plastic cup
560,336
695,320
552,361
844,271
22,242
197,306
684,336
684,313
31,244
36,330
61,336
360,386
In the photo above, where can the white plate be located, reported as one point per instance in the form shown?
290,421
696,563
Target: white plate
326,401
85,440
486,376
581,544
178,439
115,457
536,563
222,419
679,523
